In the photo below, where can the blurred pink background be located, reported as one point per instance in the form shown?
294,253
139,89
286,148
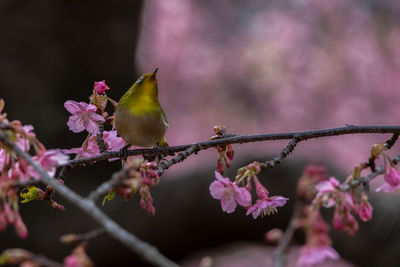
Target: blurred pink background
264,66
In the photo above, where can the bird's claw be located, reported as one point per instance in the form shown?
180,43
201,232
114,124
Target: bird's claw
123,152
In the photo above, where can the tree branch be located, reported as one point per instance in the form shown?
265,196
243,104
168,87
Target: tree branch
366,179
105,187
302,136
146,251
166,164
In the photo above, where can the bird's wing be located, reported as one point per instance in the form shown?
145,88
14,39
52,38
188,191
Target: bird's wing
164,118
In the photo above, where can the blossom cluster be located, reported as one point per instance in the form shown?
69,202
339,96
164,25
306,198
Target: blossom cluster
328,192
92,117
225,152
14,256
318,243
139,176
15,171
231,194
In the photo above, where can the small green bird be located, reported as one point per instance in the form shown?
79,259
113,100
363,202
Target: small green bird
139,118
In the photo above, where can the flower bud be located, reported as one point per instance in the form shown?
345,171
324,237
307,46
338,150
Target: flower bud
273,236
376,150
69,238
365,208
14,256
20,227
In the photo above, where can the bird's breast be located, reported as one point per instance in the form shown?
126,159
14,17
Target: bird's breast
139,126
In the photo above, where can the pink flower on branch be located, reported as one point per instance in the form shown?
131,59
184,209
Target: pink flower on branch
22,142
312,255
87,150
84,117
265,205
392,180
328,191
113,142
20,227
343,220
329,195
3,220
229,193
90,148
318,243
101,87
49,161
78,258
364,208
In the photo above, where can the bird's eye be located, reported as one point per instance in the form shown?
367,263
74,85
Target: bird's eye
140,80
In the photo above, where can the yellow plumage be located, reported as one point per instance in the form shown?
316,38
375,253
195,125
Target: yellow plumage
139,118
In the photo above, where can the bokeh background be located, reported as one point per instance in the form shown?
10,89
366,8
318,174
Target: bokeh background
253,66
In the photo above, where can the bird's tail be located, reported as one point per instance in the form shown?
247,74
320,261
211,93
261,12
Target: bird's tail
163,142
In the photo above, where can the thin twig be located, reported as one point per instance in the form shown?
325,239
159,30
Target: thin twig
99,137
105,187
284,242
143,249
283,154
92,234
61,174
304,135
166,164
366,179
45,262
389,143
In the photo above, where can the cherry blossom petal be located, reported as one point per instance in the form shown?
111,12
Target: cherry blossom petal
217,189
72,106
75,124
228,203
243,197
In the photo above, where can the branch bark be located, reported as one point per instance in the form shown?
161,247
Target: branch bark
239,139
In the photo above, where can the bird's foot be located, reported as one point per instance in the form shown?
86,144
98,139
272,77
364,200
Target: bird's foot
123,152
149,158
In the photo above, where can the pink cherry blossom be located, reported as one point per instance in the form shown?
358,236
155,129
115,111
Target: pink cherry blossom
365,209
113,141
8,212
20,227
392,180
101,87
83,152
78,258
328,185
229,193
49,160
266,206
22,171
343,220
72,261
337,221
312,255
84,117
261,191
3,158
350,224
327,190
3,221
22,142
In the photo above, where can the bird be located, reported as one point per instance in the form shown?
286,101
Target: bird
139,117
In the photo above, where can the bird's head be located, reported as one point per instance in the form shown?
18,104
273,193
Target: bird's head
148,79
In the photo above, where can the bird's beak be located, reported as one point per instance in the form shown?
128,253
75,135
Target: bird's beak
155,71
